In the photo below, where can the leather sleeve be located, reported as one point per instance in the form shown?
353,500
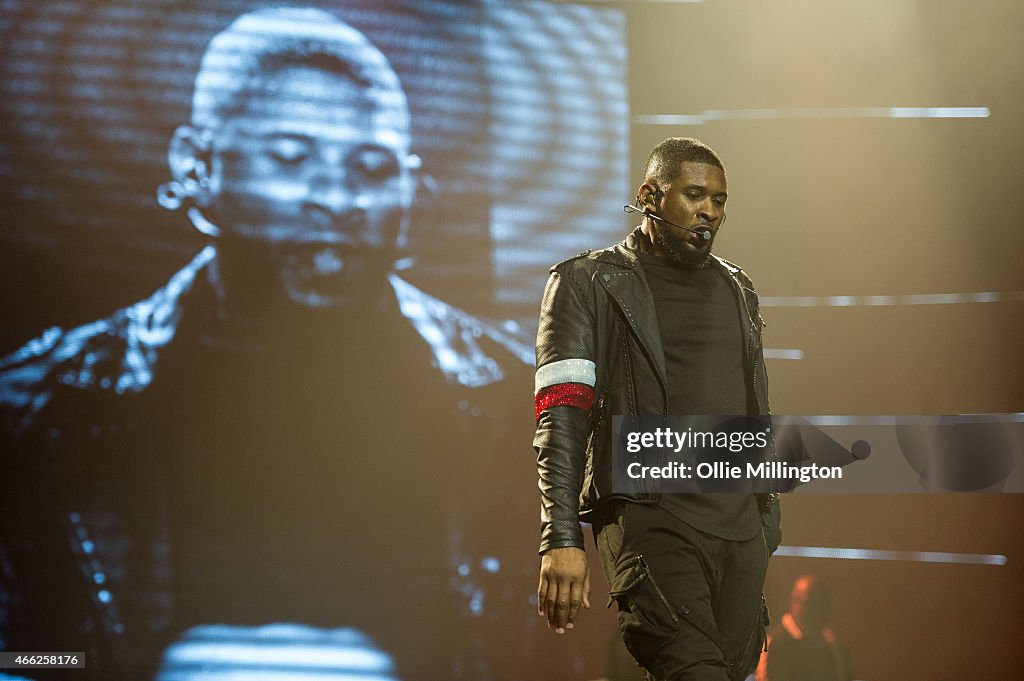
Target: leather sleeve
566,332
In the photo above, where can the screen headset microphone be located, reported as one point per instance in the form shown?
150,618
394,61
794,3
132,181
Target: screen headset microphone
704,234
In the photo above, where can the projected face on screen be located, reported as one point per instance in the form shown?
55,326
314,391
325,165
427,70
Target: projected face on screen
298,155
302,387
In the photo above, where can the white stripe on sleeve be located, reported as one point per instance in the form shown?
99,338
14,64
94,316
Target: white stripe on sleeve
566,371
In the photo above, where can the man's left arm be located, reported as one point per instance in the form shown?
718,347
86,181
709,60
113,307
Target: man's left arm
564,395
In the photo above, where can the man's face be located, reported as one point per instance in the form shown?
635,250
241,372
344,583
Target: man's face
696,199
312,180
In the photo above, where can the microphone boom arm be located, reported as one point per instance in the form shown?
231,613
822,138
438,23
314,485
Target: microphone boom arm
704,234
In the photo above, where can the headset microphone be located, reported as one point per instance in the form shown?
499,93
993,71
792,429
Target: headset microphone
704,234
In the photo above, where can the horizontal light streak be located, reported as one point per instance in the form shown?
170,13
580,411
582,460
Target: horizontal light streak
913,299
903,419
709,115
874,554
783,353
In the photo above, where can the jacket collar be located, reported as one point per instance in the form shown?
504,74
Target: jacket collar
626,254
635,300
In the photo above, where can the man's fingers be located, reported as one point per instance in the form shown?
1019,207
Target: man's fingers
556,605
542,594
575,600
546,599
562,606
586,590
564,578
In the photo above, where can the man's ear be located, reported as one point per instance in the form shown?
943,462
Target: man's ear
648,194
413,165
188,156
417,188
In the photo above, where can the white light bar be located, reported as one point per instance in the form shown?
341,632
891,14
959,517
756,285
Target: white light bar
873,554
783,353
905,419
709,115
870,301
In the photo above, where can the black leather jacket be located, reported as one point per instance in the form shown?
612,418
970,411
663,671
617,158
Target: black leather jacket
597,307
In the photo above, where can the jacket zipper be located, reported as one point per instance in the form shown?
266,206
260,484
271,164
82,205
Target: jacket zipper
628,364
751,335
752,351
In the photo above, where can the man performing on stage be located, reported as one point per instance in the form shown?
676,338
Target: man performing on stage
656,325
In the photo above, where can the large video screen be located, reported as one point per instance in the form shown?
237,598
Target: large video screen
271,273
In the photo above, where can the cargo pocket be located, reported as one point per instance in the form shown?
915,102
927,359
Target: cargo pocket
647,619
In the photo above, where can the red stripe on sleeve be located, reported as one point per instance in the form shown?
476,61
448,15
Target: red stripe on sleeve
572,394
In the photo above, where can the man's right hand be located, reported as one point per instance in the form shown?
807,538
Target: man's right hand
564,587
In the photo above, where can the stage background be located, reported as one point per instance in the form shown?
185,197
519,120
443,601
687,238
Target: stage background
886,245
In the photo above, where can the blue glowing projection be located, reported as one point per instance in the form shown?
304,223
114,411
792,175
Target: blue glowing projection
276,270
224,653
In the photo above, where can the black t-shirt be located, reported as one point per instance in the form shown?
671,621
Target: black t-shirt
307,479
702,334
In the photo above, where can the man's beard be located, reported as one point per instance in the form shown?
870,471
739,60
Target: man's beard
676,252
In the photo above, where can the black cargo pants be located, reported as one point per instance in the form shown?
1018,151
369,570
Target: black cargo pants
690,604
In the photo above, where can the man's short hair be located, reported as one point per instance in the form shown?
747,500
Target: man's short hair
664,163
267,40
